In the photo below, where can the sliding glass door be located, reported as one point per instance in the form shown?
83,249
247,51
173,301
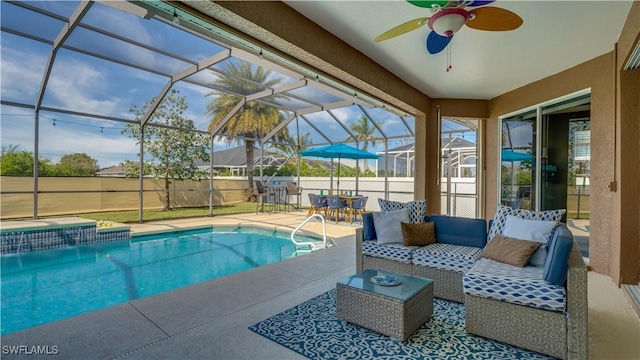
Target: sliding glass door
565,131
545,161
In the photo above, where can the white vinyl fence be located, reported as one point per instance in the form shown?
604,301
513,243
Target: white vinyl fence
463,198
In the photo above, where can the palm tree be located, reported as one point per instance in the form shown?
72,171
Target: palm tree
254,119
292,145
364,130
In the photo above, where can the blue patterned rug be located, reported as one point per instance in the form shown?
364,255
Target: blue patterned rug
312,329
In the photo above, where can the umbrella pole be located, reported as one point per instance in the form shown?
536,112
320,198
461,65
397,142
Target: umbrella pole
338,190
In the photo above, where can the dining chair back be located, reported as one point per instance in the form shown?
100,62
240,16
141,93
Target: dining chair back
358,206
318,204
336,206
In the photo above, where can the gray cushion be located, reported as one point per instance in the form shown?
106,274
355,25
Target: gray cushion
388,225
533,230
500,218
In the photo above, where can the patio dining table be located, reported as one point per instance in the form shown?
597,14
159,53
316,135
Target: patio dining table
349,200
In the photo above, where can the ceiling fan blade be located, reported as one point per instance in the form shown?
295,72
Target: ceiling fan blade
402,29
480,2
494,19
427,4
437,43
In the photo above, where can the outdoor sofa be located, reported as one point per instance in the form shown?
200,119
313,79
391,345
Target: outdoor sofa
515,305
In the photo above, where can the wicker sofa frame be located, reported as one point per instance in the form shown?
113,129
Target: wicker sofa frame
552,333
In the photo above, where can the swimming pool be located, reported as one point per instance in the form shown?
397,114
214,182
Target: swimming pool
44,286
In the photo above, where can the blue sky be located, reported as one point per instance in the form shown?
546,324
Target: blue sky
88,84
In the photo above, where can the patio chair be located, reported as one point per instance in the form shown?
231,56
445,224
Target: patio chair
318,205
292,190
336,205
262,193
357,206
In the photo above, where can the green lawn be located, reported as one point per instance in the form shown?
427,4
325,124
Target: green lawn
131,216
574,215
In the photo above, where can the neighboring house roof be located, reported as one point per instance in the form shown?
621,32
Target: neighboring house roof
454,143
233,157
222,158
458,143
228,158
402,148
236,157
113,171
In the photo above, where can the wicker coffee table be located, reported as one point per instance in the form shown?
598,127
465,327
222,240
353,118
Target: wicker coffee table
396,311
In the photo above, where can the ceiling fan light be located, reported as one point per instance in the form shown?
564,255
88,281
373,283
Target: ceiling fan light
448,21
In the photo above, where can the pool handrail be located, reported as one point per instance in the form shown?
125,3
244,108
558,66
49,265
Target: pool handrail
310,244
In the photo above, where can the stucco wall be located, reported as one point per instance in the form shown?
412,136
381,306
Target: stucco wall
625,252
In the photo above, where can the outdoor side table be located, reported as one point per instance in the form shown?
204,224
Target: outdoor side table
396,311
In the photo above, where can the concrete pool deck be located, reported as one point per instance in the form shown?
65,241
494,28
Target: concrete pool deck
210,320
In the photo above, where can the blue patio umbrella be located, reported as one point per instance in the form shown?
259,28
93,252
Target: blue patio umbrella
511,156
340,151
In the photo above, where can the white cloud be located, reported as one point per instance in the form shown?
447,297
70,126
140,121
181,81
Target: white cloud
109,148
204,77
119,22
17,127
75,85
347,113
22,71
196,89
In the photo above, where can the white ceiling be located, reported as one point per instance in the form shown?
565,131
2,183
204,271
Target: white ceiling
555,35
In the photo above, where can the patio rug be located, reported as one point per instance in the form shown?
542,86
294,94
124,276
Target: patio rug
312,329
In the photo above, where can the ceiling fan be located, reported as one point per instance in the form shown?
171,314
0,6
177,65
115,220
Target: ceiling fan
447,17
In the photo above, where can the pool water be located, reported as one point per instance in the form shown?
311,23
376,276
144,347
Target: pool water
44,286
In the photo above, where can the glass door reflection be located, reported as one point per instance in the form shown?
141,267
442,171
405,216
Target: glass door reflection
517,175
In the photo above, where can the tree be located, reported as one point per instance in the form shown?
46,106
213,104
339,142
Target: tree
76,164
171,153
254,119
289,150
132,168
292,145
314,169
20,163
364,130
